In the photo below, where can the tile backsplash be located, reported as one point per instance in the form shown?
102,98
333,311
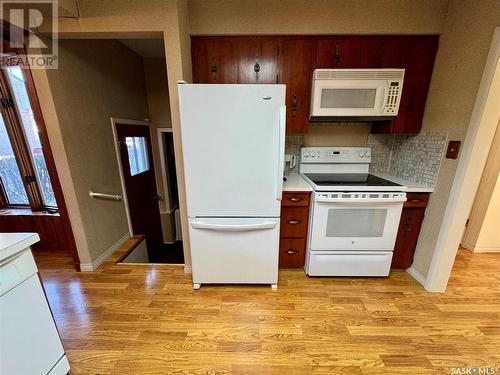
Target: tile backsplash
412,157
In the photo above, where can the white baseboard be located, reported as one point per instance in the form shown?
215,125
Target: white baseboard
477,249
89,267
416,275
188,269
487,250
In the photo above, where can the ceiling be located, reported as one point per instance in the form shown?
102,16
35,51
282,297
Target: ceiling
148,48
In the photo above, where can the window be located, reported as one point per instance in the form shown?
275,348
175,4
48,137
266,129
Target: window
137,155
24,175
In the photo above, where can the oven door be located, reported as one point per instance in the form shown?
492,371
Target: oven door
344,98
355,225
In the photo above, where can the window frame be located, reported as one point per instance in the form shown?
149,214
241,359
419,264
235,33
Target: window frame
17,138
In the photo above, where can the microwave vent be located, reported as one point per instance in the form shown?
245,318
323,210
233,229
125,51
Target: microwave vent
386,74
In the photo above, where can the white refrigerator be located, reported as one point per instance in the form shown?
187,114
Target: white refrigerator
233,139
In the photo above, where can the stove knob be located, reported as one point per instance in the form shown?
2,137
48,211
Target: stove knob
306,154
361,154
312,153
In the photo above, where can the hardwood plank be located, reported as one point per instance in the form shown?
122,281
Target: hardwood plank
148,320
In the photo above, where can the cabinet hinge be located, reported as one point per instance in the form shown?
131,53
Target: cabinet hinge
7,103
467,223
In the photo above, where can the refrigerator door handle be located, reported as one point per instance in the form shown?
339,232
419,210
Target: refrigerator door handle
281,150
233,227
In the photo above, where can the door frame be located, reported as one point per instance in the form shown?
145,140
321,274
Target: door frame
114,122
163,167
480,133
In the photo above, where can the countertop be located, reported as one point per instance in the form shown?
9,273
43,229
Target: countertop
13,243
413,187
295,182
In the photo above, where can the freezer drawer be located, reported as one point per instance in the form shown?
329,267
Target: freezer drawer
348,263
234,250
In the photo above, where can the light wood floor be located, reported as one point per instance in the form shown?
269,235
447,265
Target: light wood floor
148,320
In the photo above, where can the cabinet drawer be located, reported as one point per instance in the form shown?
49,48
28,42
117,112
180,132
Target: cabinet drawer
419,200
295,199
294,221
292,252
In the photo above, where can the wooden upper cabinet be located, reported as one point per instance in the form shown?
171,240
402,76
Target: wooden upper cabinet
257,60
297,59
418,60
338,52
381,52
213,61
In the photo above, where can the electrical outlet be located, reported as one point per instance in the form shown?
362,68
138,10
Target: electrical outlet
453,149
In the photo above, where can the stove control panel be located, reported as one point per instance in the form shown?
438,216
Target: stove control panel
336,155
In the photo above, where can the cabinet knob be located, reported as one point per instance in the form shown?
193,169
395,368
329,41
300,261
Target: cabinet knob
408,228
256,67
293,222
291,252
295,199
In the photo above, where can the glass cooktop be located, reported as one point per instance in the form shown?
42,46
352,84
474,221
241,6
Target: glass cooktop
348,179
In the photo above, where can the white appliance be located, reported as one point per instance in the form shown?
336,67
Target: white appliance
354,214
29,341
356,94
233,139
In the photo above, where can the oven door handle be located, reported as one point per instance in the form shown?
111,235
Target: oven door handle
369,200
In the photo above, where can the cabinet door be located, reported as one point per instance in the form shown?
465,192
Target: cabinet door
257,60
213,60
381,52
419,53
297,61
338,52
406,241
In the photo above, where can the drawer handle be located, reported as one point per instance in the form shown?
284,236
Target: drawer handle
295,199
293,222
291,252
416,200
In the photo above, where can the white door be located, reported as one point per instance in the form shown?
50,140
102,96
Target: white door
234,250
355,226
233,146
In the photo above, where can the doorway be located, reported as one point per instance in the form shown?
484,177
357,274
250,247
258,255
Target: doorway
142,197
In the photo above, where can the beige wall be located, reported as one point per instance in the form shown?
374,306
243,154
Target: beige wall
463,49
88,89
316,17
489,237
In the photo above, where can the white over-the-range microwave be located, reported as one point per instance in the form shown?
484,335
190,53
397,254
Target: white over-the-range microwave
356,94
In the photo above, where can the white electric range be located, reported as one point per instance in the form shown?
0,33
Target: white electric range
354,214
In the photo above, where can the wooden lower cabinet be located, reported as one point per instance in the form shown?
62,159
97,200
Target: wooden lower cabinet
409,229
294,226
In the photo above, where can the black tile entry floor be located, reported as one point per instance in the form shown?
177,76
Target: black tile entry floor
167,253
